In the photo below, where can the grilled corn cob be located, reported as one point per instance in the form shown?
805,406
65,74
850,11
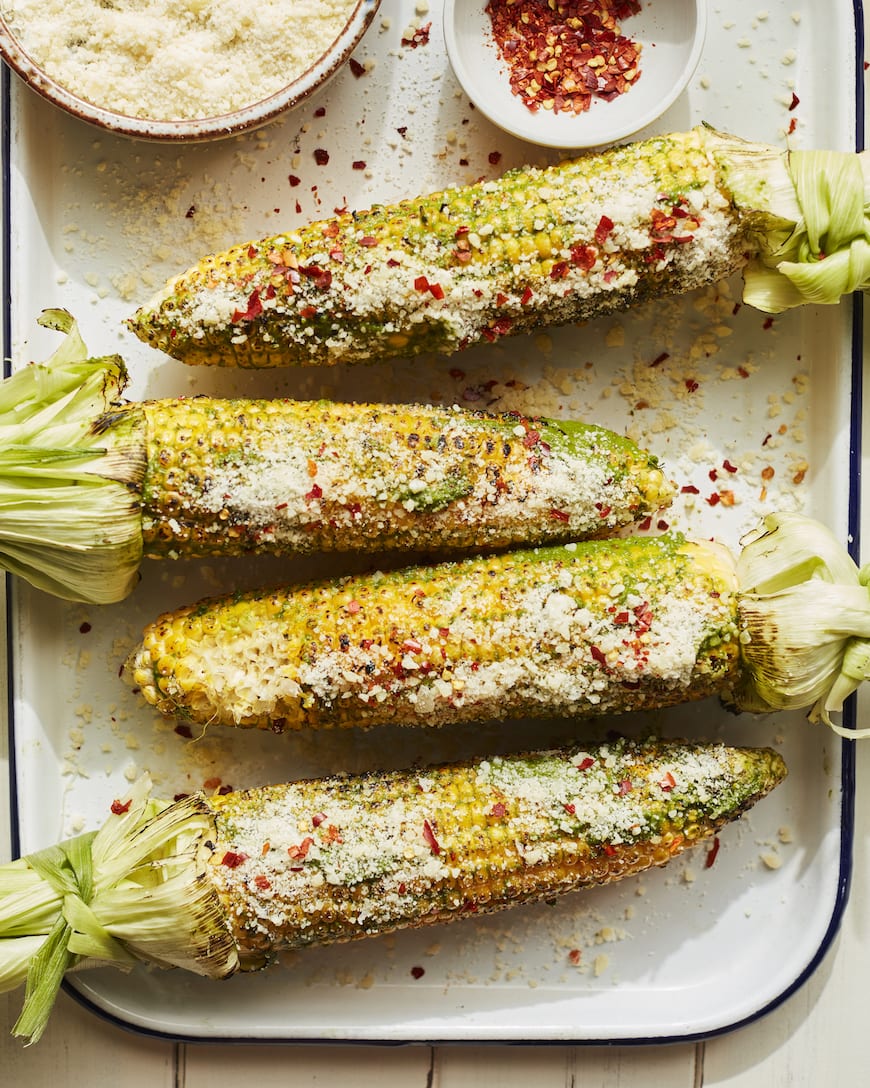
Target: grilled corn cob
590,628
562,244
202,476
224,883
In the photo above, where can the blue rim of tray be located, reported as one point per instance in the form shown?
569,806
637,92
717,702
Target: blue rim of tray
847,775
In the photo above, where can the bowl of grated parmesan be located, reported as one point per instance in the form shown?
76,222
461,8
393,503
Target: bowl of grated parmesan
188,70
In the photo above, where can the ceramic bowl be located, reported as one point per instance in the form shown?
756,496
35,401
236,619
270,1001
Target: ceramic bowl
670,33
209,128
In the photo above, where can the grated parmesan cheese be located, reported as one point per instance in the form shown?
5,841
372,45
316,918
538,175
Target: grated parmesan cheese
166,61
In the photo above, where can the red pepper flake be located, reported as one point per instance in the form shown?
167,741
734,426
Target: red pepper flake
768,323
668,782
689,489
333,834
308,312
316,492
559,515
255,308
418,972
317,819
498,810
526,296
262,882
712,853
120,807
795,101
421,284
320,111
294,181
625,787
659,359
419,37
494,158
598,655
609,850
356,67
321,156
320,277
728,466
561,55
531,438
691,385
575,956
602,231
358,164
585,763
570,809
429,836
84,628
713,500
300,852
583,257
184,731
411,646
436,291
232,860
559,270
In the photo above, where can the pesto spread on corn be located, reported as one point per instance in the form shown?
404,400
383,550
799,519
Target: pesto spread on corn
168,61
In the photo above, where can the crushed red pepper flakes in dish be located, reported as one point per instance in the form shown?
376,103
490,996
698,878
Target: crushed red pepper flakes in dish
563,53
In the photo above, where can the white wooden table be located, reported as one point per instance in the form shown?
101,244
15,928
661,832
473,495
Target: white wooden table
817,1038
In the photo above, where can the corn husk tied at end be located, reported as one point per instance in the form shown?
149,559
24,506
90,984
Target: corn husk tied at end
804,618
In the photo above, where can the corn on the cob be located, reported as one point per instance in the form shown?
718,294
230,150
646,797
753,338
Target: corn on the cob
227,882
589,628
202,476
536,247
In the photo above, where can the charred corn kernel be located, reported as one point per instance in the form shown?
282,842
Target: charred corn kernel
233,477
586,628
536,247
345,857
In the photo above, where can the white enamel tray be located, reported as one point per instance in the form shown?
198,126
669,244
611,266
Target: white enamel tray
724,396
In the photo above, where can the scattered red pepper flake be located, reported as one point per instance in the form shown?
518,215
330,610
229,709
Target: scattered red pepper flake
498,810
625,786
569,808
660,358
598,655
575,956
419,37
526,296
255,308
559,515
689,489
317,819
300,852
120,807
184,731
84,628
418,972
294,180
692,385
429,836
767,323
494,158
602,231
712,853
358,164
232,860
356,67
320,277
585,763
316,492
262,882
321,156
795,101
726,464
668,782
320,111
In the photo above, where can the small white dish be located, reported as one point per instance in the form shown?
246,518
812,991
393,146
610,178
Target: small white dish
670,32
